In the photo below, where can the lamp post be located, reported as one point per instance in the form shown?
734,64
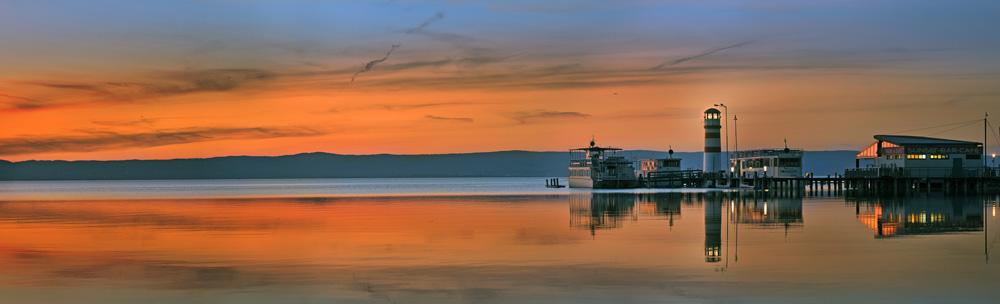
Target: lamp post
766,184
729,180
994,159
736,137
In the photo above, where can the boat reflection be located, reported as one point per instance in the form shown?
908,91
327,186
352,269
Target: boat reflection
600,211
894,217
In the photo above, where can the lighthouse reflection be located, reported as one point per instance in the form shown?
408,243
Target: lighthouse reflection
724,214
760,218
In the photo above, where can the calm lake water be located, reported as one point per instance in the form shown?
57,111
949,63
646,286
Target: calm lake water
493,240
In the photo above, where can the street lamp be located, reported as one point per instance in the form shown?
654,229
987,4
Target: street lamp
729,181
994,160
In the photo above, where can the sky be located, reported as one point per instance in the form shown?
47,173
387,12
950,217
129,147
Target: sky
178,79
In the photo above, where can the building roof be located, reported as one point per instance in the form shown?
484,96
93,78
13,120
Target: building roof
767,153
895,141
595,148
713,110
904,140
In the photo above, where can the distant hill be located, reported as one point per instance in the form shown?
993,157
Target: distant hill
326,165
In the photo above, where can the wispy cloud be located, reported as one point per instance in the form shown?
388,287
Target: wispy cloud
457,40
444,118
160,84
400,107
114,141
169,83
662,113
703,54
468,61
211,80
542,115
437,16
577,76
124,123
153,86
406,106
371,64
19,103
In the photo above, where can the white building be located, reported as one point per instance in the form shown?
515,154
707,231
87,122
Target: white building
653,169
919,156
780,163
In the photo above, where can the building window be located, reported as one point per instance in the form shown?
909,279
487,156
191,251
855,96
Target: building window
973,156
789,162
938,156
916,156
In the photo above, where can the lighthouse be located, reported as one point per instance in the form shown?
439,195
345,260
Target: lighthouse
713,144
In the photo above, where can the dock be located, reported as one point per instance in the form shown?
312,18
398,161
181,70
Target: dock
878,182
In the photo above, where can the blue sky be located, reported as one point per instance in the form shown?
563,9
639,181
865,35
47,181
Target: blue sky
489,64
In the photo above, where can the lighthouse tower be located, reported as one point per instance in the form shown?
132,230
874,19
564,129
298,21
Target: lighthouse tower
713,145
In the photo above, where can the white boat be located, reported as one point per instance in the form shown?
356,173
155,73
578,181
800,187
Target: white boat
601,168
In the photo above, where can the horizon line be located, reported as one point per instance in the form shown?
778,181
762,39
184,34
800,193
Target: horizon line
373,154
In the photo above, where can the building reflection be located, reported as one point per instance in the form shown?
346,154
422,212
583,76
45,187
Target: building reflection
893,217
723,211
764,212
756,211
662,205
601,211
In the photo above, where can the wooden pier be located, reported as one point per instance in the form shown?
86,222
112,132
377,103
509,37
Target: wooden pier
880,182
865,182
675,179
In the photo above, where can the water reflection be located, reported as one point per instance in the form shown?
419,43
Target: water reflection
504,248
760,212
727,213
893,217
748,210
713,229
601,211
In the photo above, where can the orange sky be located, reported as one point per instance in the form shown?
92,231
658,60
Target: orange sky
468,77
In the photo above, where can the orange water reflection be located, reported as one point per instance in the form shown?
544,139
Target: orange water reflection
576,248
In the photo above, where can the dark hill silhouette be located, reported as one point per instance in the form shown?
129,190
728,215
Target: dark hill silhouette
326,165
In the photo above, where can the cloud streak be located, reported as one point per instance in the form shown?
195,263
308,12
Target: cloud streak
704,54
114,141
454,119
406,107
402,107
457,40
437,16
542,115
19,103
163,84
371,64
142,121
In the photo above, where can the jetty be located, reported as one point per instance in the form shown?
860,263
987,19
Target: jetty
892,165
